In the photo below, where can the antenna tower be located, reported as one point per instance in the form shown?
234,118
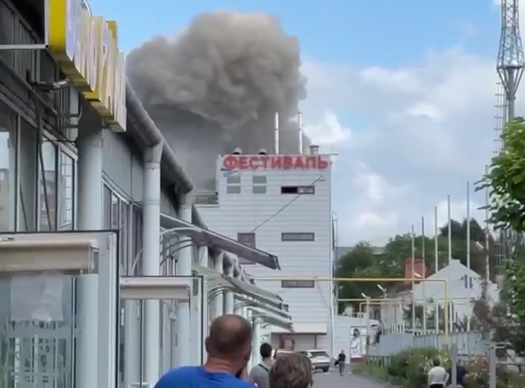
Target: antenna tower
510,70
510,54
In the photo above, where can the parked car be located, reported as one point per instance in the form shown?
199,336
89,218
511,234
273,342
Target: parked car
276,353
319,358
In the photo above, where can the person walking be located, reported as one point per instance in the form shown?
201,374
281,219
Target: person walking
229,347
341,360
292,371
437,376
259,373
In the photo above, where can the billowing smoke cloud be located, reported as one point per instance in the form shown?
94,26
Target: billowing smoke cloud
218,85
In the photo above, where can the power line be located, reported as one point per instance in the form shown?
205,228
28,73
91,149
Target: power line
284,207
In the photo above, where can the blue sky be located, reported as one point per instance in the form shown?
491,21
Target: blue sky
402,90
358,32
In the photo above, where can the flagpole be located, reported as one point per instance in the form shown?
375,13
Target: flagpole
436,263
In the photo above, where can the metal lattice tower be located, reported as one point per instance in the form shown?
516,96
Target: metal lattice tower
510,70
510,54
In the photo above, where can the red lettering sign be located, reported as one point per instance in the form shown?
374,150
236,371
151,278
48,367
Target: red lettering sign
275,162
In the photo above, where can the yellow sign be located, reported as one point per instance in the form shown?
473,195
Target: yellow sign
86,49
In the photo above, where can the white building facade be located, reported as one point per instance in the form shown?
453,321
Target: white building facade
281,204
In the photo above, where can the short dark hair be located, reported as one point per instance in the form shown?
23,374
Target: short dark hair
265,350
229,335
436,361
292,371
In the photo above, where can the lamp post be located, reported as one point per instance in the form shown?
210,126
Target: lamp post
424,301
383,290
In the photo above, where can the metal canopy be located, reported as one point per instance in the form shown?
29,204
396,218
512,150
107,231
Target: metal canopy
259,294
260,304
217,280
214,279
265,316
156,287
215,240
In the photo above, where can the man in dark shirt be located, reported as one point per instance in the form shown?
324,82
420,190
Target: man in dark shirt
461,373
341,359
229,350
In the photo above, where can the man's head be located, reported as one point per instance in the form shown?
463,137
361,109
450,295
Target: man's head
342,351
291,371
265,350
230,342
436,361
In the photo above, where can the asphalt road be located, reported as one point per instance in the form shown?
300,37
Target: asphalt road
332,379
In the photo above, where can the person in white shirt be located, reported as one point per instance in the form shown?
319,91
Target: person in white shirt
437,376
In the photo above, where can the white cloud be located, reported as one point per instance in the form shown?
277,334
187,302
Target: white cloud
367,212
328,131
428,130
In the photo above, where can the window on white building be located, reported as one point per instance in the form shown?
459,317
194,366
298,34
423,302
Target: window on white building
297,236
233,189
259,189
298,190
259,184
233,179
297,284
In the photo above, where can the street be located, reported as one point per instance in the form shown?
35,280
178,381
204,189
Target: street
332,379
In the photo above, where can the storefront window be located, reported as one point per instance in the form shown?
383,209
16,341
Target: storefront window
48,186
27,162
66,192
106,198
124,208
7,169
115,212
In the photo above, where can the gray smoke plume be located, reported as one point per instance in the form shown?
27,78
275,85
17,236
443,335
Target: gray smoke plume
218,85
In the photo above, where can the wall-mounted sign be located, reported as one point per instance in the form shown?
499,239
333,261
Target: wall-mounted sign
275,162
86,50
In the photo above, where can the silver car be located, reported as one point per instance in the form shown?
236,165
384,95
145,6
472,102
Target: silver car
319,358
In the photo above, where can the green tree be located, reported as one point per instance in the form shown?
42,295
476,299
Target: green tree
506,184
361,262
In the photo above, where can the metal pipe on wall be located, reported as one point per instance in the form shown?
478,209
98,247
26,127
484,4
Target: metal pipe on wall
90,190
276,134
151,260
300,129
184,340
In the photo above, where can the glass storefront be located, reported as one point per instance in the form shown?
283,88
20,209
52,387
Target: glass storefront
7,168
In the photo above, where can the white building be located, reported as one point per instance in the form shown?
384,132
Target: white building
281,204
465,286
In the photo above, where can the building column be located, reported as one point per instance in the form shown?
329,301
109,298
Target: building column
229,302
199,316
218,301
256,343
89,144
183,350
151,260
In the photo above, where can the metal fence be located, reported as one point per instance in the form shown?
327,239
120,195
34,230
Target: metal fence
467,343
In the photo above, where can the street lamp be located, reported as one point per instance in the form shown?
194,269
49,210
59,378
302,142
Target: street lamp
424,297
382,307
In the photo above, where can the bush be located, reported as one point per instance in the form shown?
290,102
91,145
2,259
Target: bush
409,369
